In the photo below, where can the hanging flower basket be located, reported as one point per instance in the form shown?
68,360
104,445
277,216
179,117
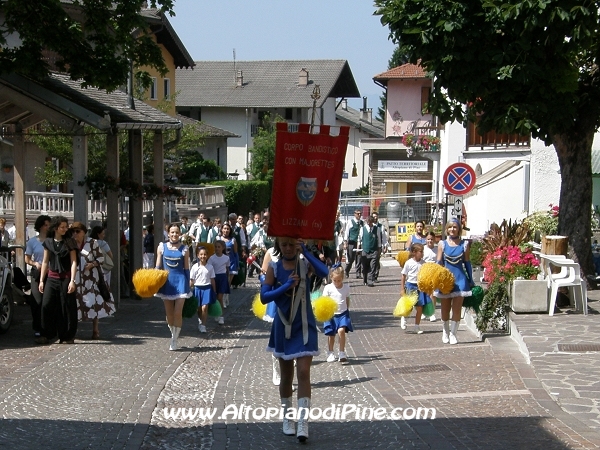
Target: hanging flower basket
422,143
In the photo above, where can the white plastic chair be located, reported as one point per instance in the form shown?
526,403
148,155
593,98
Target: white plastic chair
569,276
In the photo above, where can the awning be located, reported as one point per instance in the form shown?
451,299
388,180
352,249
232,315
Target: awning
491,175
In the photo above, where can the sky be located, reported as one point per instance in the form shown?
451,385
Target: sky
285,29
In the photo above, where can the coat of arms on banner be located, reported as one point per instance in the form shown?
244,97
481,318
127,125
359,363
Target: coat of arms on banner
306,190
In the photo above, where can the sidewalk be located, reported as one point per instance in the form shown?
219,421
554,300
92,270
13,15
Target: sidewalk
112,393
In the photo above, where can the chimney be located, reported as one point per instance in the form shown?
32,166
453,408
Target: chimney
366,114
345,104
239,78
303,77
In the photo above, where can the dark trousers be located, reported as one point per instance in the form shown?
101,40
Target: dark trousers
59,310
36,307
377,267
368,266
352,257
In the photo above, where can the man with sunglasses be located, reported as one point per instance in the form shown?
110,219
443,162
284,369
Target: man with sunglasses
350,243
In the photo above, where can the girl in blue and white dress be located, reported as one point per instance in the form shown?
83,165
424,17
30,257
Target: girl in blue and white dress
294,330
454,254
220,263
202,280
172,256
418,237
231,250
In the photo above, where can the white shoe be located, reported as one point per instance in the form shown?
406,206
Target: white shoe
276,374
446,332
343,357
202,328
403,323
453,327
418,330
289,428
432,318
217,319
303,407
331,357
174,336
221,321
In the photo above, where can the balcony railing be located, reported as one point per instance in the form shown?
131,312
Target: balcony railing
493,140
57,203
292,127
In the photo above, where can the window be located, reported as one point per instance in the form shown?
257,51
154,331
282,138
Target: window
289,114
153,88
167,88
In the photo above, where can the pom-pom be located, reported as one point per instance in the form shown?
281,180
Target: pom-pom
258,308
190,307
215,310
147,282
314,295
402,257
474,300
324,308
432,276
405,304
428,309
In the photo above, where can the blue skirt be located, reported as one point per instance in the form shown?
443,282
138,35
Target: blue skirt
423,298
205,295
222,283
331,327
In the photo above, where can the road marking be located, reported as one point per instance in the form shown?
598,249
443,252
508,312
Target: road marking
470,394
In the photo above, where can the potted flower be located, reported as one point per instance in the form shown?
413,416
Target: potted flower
510,271
423,143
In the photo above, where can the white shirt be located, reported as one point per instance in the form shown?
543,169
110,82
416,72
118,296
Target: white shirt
339,295
201,275
219,263
411,269
429,255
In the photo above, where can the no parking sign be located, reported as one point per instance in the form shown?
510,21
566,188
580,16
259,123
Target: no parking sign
459,178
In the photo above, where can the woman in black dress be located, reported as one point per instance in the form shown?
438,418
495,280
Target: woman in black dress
57,283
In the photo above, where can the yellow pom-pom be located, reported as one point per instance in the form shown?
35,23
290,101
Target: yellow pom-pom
427,276
405,305
324,308
210,247
402,257
147,282
445,281
258,308
433,277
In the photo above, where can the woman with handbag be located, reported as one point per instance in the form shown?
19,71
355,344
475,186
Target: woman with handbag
99,233
93,297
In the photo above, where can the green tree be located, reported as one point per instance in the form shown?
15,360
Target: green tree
396,60
96,40
524,66
263,150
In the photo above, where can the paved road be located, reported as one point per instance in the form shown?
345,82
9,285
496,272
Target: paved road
112,393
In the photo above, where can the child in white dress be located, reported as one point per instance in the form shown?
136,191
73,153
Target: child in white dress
340,324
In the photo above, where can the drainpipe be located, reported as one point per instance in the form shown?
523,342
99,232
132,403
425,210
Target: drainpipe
247,142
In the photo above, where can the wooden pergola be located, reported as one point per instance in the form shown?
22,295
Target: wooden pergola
63,102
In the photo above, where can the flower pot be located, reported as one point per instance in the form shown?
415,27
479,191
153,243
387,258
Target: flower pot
528,296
